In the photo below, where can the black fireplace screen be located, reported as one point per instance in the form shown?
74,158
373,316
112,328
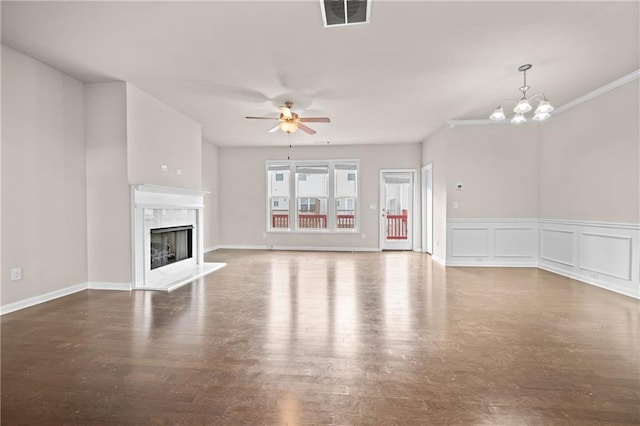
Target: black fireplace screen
170,245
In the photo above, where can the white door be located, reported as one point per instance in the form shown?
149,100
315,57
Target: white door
427,208
396,210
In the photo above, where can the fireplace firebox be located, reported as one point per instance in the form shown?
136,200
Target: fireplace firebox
171,245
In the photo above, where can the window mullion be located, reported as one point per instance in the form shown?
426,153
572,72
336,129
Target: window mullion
331,201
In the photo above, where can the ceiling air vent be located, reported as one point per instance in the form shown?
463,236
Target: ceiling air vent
345,12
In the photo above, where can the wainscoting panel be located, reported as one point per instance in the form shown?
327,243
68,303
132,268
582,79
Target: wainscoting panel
470,242
515,242
492,242
556,245
605,254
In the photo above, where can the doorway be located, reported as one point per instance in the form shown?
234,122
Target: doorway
396,205
427,208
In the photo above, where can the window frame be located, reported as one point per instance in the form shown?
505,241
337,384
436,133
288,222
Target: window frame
331,198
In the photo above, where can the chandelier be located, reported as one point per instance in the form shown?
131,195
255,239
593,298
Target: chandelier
524,105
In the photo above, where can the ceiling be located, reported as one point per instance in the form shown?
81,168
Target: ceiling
395,80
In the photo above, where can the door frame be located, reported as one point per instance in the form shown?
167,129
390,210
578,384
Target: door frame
427,208
381,206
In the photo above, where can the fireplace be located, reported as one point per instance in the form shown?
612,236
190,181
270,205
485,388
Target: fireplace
167,234
170,245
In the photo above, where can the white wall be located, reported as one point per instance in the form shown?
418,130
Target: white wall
590,160
434,150
498,167
108,194
243,193
44,228
210,183
159,135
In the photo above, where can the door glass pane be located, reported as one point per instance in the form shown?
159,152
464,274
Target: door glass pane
397,205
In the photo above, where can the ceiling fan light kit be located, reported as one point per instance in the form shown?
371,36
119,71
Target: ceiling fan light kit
524,105
290,122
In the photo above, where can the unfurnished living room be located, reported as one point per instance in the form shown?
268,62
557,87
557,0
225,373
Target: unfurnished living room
329,212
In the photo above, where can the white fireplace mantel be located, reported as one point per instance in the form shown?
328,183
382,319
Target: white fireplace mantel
155,206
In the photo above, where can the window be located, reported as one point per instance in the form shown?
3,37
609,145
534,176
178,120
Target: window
345,195
324,194
279,193
312,192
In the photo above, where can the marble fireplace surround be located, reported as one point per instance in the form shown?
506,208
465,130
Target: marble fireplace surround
155,206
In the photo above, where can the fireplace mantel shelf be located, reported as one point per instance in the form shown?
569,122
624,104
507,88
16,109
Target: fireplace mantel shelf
147,187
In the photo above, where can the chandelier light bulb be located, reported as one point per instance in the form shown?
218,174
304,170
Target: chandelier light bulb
498,114
544,107
541,116
523,106
519,118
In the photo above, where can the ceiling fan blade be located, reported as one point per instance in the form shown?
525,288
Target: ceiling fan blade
286,112
307,130
274,128
315,119
263,118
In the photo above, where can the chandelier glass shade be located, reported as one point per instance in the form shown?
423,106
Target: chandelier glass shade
525,104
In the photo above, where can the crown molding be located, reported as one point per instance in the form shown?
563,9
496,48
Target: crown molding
562,108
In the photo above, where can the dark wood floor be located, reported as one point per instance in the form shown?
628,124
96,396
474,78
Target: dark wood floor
329,338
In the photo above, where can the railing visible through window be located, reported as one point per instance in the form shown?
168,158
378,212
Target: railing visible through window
324,194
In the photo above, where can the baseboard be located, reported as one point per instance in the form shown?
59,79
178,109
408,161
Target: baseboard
591,281
300,248
439,260
242,247
32,301
310,248
93,285
531,264
212,248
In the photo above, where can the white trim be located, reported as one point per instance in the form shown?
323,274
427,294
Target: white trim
597,92
491,220
212,248
201,270
439,260
590,281
146,187
617,225
298,248
489,264
36,300
93,285
562,108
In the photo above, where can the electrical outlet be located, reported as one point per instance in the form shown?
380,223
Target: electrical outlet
363,236
164,168
178,171
16,274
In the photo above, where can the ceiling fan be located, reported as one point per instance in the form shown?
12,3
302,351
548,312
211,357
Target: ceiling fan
289,121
